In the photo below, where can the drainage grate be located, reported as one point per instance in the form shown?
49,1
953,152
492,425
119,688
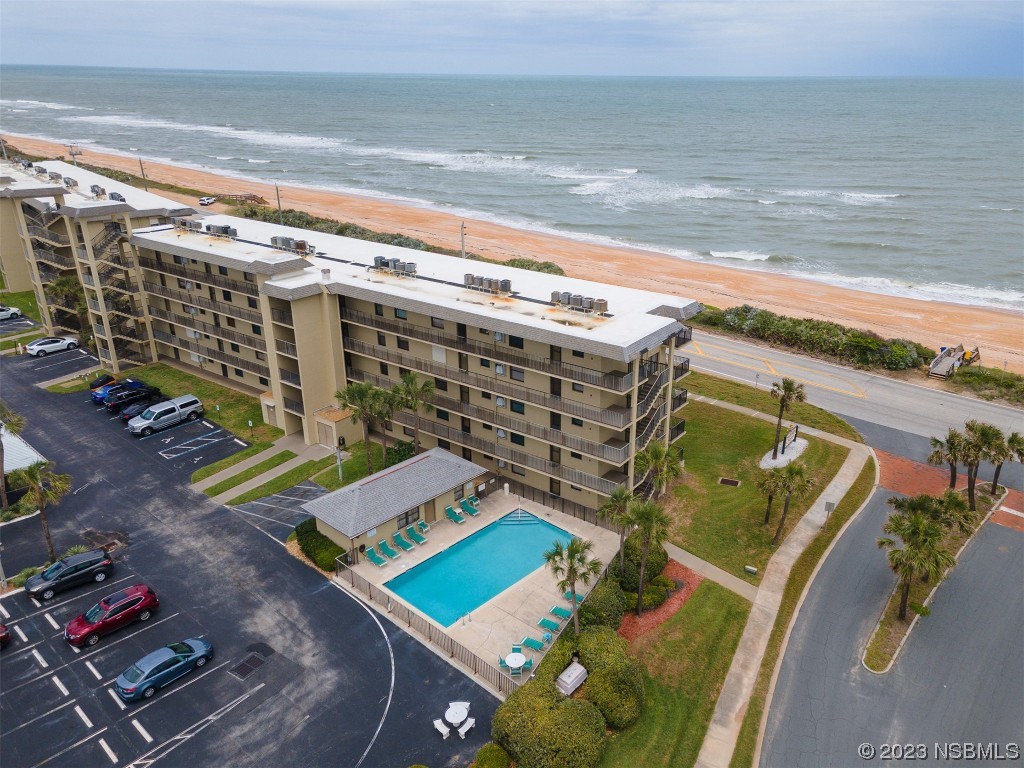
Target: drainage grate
728,481
250,664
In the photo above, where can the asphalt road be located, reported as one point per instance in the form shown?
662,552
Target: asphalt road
340,685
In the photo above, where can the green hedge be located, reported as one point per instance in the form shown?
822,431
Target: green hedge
317,547
491,755
604,605
615,682
23,576
399,452
629,576
654,595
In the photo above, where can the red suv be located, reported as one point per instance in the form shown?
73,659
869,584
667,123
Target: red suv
135,603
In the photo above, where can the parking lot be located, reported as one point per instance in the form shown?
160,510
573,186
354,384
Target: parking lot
17,325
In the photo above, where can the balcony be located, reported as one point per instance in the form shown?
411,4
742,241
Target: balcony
647,427
99,330
44,234
199,276
287,348
290,377
192,322
54,259
684,336
121,305
680,369
613,417
47,274
678,430
502,451
616,454
211,353
282,316
650,392
200,301
679,398
130,332
617,382
294,406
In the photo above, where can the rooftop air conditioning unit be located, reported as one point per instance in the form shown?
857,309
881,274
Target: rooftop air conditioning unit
196,225
54,176
300,245
501,434
69,182
499,370
500,402
499,336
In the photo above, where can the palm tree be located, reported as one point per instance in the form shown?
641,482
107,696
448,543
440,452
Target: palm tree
570,564
981,438
653,524
13,424
948,451
999,453
616,511
416,394
769,482
795,482
386,402
661,462
787,393
44,489
920,553
358,398
949,510
1015,452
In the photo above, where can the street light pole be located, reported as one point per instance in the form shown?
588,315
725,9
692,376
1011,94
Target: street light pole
463,234
145,181
341,479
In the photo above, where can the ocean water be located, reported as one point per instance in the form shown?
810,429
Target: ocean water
902,186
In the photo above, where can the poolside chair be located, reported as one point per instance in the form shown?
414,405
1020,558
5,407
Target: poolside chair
468,508
404,545
501,663
454,516
579,597
443,729
516,671
548,624
423,526
373,557
533,645
384,547
528,665
517,649
413,534
474,501
562,613
470,722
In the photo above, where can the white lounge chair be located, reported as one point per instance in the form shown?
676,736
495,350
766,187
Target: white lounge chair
443,729
470,722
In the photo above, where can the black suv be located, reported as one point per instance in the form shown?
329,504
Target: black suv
118,399
68,572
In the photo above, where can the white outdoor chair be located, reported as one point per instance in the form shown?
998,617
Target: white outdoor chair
470,722
443,729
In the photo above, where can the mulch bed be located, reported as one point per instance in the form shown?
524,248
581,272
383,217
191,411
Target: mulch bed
632,627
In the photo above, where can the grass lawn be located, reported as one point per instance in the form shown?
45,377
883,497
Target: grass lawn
761,400
79,384
283,482
248,474
685,662
722,524
11,343
743,756
352,468
23,300
219,466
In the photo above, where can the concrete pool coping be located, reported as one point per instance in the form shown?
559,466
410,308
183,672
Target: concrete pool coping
508,617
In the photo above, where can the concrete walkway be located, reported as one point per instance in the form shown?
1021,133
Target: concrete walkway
712,572
723,732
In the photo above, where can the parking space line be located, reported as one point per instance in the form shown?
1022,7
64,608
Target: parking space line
142,731
268,519
105,584
20,634
95,672
239,442
40,659
77,744
116,698
108,750
40,717
53,622
36,603
76,649
4,611
60,685
208,425
85,719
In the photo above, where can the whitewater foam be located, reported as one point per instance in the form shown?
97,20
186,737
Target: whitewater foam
741,255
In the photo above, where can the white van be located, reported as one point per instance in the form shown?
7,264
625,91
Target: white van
166,414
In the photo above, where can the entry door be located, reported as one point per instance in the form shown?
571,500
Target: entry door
556,387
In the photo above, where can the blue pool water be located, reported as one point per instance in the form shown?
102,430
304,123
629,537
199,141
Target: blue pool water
468,574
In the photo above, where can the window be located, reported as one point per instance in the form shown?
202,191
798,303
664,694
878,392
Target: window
402,372
437,322
381,340
401,314
488,427
556,421
441,384
467,454
260,356
517,439
441,414
577,422
444,444
556,487
230,322
179,259
378,309
235,348
485,395
249,276
516,406
403,344
257,330
577,353
517,374
484,332
408,518
515,341
184,285
226,295
264,381
577,387
253,303
485,363
576,455
383,369
408,431
222,270
239,372
575,487
516,470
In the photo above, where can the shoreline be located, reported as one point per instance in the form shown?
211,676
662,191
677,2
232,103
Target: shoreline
998,332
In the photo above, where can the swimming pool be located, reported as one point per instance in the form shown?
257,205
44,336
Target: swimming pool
468,574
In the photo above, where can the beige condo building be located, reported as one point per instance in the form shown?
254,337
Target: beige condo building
552,383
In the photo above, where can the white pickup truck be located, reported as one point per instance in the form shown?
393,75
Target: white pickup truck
166,414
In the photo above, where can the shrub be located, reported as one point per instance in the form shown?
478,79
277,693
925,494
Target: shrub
491,755
75,549
653,597
317,547
657,559
614,683
25,575
399,452
664,582
604,605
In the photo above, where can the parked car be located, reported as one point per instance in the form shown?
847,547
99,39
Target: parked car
103,380
166,414
9,313
100,393
207,200
68,572
43,347
5,635
164,665
115,401
133,410
135,603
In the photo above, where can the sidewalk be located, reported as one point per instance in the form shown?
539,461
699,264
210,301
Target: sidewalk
712,572
723,732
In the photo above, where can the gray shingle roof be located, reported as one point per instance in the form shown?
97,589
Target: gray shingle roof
372,501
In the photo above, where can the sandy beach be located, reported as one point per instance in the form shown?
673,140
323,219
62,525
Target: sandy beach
998,333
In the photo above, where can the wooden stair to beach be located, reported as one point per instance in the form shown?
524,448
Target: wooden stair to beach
249,198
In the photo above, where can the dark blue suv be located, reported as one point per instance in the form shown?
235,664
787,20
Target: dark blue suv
100,393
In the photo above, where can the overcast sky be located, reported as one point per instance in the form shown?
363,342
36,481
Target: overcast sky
613,37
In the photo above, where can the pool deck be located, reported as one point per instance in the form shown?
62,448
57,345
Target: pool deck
491,629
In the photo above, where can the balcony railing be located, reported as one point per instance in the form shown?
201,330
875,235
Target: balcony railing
122,305
503,418
282,316
618,382
93,305
678,430
56,259
502,451
42,233
47,274
613,417
198,276
681,368
647,427
213,354
132,332
294,405
200,301
286,347
650,392
99,330
194,323
290,377
679,398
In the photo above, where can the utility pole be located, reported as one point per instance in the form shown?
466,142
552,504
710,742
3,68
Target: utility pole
145,183
280,213
463,232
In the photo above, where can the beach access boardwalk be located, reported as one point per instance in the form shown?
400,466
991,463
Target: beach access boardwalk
723,732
